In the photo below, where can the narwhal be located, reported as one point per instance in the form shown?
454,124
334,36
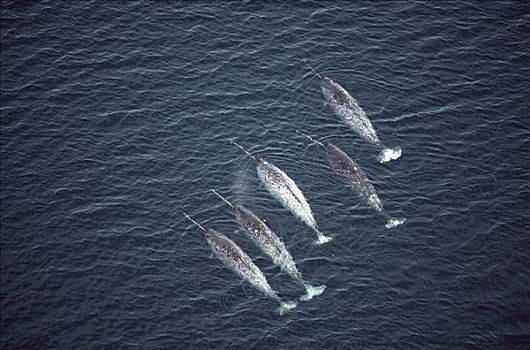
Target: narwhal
349,111
258,231
285,190
235,258
345,168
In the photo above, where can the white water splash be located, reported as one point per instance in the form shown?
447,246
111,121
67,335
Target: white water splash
321,237
312,291
375,202
393,222
388,154
285,307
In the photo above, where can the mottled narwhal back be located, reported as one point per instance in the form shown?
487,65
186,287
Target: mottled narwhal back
349,111
336,94
235,258
266,239
230,253
254,226
342,164
285,190
347,108
346,168
222,245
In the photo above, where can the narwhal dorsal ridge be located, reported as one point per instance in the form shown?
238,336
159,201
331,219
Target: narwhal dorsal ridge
343,163
236,259
338,94
285,190
281,178
257,228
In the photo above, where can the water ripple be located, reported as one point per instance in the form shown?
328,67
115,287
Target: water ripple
115,119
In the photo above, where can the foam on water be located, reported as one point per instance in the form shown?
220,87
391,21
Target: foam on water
321,239
115,119
388,154
312,291
285,307
393,222
375,202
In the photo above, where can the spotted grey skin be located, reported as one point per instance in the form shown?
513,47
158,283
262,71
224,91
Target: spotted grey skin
232,256
347,108
266,240
353,175
283,188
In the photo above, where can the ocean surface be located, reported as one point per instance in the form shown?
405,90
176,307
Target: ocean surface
116,118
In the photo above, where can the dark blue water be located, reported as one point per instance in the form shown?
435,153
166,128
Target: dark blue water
115,119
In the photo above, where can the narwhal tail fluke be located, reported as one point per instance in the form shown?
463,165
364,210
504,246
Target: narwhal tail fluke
312,291
393,222
321,238
388,154
285,307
